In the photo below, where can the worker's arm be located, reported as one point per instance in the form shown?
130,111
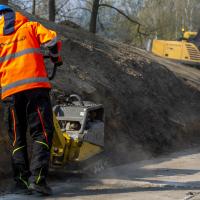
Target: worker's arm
55,53
48,38
0,84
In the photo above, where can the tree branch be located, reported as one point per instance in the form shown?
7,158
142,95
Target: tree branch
80,8
141,33
86,1
127,17
61,6
121,12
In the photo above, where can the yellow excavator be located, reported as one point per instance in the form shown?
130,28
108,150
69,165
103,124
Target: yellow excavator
184,50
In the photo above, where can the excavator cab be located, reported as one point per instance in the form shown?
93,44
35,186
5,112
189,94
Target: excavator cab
188,35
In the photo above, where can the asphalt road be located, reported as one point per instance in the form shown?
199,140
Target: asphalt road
176,176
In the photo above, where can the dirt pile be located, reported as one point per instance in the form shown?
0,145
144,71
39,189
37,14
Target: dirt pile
150,107
145,102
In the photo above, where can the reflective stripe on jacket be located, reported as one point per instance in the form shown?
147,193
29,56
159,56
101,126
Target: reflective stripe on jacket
21,61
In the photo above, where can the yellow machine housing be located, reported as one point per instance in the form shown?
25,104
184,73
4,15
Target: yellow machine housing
79,133
185,51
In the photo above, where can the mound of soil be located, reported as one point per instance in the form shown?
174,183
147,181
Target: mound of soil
146,104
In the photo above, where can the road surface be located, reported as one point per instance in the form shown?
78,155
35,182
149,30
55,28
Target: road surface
175,176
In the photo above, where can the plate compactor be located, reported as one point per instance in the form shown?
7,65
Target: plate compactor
78,141
79,133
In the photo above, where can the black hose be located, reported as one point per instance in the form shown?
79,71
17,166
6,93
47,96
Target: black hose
53,74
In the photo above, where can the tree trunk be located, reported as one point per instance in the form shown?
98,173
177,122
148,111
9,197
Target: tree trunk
33,7
52,10
94,14
4,2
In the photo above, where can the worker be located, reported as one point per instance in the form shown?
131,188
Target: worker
25,91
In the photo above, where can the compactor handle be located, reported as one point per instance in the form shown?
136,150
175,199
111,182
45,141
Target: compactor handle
53,73
77,97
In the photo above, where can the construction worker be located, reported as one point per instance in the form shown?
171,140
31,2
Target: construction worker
25,93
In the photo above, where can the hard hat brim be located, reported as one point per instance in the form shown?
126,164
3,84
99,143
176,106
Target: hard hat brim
4,7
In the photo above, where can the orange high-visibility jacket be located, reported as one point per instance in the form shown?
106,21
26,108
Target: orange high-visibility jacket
21,61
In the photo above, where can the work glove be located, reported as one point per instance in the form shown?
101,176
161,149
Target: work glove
54,53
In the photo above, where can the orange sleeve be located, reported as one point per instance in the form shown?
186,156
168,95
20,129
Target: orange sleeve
0,86
0,78
45,36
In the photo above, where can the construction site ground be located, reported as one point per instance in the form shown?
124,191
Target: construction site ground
174,176
152,107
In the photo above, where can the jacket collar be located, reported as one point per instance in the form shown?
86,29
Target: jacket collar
9,23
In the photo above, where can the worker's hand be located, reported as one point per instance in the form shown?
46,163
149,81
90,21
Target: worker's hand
54,52
57,61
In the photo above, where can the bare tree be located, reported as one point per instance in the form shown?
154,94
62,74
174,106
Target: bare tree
94,15
52,10
33,7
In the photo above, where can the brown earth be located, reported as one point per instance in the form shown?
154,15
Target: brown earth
152,105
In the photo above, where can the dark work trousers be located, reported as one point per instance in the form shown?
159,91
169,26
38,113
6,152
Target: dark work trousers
30,108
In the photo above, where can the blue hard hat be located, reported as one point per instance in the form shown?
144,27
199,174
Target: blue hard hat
4,7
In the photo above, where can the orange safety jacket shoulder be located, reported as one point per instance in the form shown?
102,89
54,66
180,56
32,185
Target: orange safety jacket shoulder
21,61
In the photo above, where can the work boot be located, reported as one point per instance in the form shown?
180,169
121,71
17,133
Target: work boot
43,189
20,188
